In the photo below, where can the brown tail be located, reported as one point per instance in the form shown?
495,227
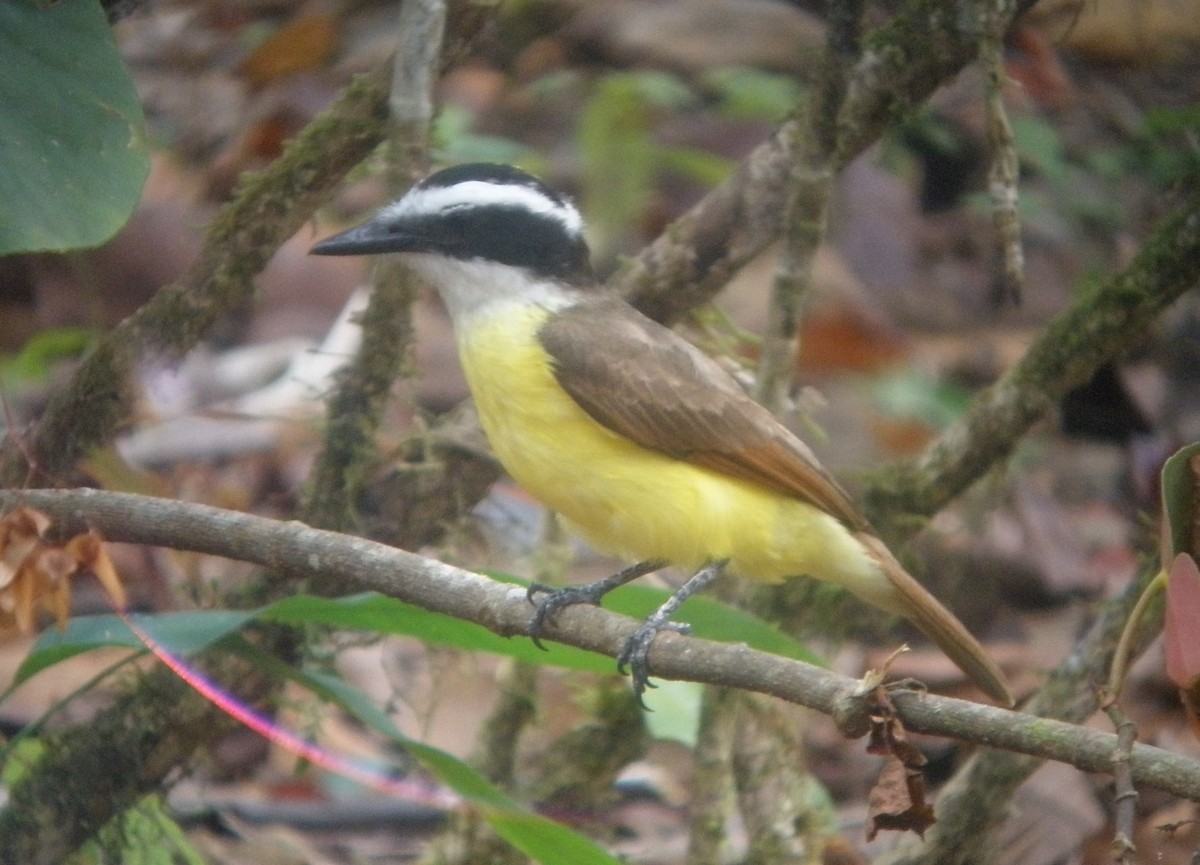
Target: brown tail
916,604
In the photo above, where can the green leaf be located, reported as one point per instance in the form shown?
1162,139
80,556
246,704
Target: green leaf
674,711
456,141
142,835
1040,146
1180,486
706,168
42,352
186,633
754,94
913,394
710,619
20,759
384,615
73,154
180,633
532,834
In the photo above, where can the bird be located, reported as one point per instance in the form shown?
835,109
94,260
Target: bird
643,443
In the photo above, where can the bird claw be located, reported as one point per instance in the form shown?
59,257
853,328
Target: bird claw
592,593
635,654
558,599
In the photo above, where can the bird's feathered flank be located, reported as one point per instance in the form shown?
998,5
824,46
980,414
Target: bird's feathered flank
642,380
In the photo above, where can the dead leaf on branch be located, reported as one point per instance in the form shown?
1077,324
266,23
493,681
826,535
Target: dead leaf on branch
36,574
897,801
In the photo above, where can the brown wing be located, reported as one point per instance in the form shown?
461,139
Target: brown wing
645,382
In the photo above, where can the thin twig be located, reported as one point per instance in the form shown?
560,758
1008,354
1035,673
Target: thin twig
363,386
1004,172
813,143
1125,796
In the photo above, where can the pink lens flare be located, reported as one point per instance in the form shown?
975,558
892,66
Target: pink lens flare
414,791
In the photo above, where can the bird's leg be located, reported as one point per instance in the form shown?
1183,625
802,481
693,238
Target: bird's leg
569,596
637,647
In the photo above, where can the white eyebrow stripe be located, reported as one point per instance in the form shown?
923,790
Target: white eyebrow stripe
479,193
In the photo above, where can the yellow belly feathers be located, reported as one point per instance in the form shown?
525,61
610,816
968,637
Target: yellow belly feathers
629,501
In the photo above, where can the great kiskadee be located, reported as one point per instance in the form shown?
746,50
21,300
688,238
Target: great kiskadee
640,440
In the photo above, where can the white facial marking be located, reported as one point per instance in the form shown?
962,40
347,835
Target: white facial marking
476,193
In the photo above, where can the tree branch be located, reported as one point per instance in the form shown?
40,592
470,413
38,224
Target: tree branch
503,609
1101,322
902,63
813,145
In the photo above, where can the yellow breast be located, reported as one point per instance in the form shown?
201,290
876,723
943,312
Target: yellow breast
625,499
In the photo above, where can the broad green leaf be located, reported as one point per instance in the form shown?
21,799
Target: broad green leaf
384,615
180,633
73,154
186,633
709,619
712,620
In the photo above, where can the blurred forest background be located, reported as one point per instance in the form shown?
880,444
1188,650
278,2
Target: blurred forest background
638,109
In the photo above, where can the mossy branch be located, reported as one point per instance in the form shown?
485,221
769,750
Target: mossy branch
902,63
1104,320
362,387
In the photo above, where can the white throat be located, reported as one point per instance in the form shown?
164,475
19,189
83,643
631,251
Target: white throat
474,288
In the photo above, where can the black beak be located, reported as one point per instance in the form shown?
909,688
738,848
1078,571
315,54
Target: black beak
369,238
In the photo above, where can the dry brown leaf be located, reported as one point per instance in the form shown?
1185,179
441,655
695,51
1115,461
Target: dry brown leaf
897,801
21,531
36,575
